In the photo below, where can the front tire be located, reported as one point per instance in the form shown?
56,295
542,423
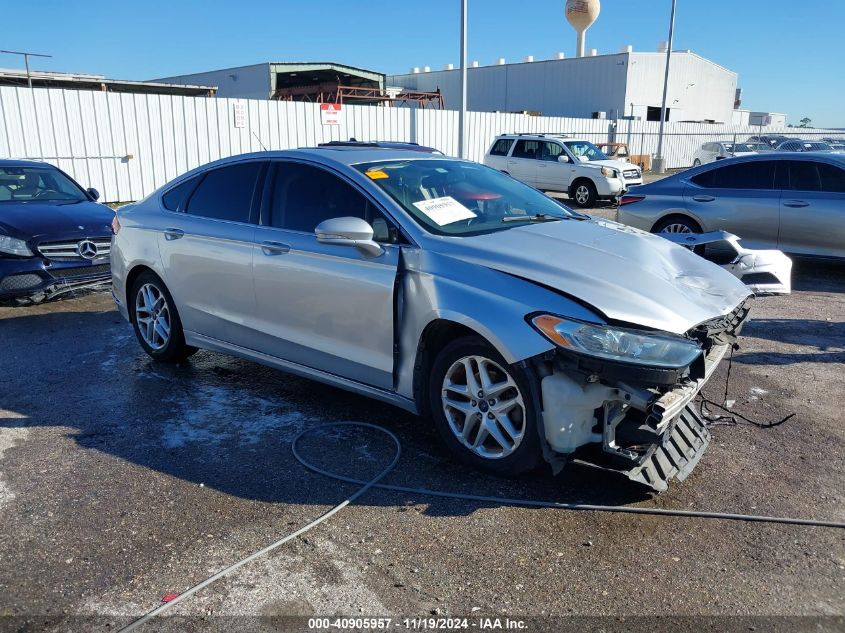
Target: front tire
583,194
482,408
156,321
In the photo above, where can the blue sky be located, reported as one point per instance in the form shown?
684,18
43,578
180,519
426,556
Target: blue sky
788,54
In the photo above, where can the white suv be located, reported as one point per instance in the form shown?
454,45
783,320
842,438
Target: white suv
556,162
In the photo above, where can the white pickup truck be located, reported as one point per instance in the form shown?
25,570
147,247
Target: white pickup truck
556,162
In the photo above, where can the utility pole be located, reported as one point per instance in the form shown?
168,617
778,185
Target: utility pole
26,56
462,147
659,161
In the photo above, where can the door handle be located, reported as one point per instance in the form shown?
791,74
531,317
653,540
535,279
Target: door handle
173,234
703,198
274,248
796,204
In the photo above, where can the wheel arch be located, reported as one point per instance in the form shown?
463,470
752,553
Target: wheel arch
677,214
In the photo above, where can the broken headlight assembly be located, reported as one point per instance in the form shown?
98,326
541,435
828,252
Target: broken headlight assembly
618,344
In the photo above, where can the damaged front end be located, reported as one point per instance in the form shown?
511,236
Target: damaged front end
630,418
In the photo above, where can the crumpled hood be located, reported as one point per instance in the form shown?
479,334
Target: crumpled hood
43,219
626,274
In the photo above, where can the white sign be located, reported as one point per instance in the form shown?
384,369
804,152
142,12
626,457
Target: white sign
444,210
330,113
239,110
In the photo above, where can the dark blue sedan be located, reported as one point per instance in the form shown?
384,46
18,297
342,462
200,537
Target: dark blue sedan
54,236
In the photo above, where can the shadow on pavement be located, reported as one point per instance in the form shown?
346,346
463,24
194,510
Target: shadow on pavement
228,423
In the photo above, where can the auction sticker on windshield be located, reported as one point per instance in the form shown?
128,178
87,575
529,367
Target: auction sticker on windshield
444,210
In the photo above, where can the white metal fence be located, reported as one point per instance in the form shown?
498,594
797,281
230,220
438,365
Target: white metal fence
127,145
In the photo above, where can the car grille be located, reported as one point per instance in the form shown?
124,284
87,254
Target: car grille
21,282
631,173
76,250
78,271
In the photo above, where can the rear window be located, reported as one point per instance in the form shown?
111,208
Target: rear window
501,147
226,193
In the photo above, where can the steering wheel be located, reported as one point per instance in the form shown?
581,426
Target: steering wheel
41,194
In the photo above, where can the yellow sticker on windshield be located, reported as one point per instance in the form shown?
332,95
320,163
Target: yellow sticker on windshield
377,174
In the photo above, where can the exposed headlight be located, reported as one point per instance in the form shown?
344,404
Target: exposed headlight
619,344
609,172
14,246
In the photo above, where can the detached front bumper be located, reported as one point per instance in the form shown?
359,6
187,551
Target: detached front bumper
639,422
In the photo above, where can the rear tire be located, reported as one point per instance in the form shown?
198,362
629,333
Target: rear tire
680,224
583,194
482,408
156,321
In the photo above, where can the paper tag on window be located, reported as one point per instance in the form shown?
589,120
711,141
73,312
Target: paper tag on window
444,210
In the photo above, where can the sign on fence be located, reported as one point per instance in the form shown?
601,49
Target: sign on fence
239,111
330,113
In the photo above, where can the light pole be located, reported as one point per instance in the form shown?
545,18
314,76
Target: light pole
659,161
463,112
26,56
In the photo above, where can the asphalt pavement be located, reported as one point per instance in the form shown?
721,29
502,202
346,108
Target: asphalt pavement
122,481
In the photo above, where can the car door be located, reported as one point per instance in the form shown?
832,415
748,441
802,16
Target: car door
323,306
552,174
741,198
522,163
812,209
206,250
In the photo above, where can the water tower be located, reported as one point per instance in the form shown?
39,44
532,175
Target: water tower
581,14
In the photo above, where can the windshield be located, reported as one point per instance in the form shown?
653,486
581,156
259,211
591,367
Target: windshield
585,149
28,184
450,197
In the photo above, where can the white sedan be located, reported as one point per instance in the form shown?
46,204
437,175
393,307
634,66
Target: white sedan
710,152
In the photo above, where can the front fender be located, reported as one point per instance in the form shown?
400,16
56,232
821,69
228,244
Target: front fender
491,303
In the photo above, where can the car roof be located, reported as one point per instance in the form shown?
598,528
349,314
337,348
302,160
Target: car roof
22,162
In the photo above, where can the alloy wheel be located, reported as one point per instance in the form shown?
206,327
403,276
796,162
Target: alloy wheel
484,407
152,315
676,227
582,194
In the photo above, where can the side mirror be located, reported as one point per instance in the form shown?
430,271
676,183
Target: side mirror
93,193
563,158
348,231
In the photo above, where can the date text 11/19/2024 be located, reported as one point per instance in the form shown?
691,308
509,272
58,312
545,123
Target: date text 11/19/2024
416,624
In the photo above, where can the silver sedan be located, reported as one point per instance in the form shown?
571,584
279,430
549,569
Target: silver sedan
794,202
524,330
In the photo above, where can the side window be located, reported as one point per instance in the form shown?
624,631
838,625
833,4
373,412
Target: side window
833,178
622,152
527,149
804,176
226,193
704,179
174,199
303,196
752,175
501,147
551,151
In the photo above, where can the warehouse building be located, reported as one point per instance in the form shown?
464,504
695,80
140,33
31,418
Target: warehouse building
87,81
599,86
315,82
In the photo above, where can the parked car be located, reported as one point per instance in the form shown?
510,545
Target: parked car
790,201
53,234
556,162
772,140
799,145
710,152
414,147
838,147
524,329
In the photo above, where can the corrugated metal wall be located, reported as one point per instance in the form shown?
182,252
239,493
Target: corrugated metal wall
127,145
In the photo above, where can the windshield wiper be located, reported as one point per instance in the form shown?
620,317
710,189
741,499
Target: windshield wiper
537,217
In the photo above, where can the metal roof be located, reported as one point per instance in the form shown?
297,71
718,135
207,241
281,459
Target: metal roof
87,81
